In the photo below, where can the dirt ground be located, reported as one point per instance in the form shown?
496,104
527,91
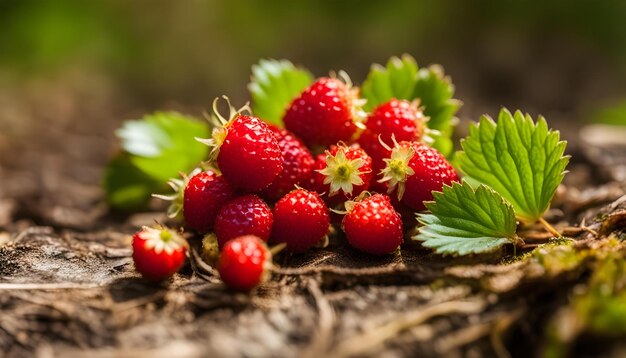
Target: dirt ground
68,285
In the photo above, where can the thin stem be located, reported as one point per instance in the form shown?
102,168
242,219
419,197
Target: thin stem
549,227
530,246
364,342
48,286
278,248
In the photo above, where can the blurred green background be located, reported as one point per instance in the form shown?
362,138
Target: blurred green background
539,53
72,70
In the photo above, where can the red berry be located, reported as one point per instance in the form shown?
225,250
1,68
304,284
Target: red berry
325,113
372,225
244,263
246,150
342,173
301,220
414,170
158,253
250,157
245,215
396,118
316,181
297,164
205,194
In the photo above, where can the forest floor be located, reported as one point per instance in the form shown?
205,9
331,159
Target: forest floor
68,286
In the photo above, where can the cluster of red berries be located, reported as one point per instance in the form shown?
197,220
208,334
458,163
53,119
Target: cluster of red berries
267,186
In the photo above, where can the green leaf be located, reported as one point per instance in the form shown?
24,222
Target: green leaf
396,80
126,186
466,221
521,160
154,149
162,144
274,85
435,91
402,79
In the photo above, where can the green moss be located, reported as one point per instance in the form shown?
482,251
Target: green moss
604,304
516,258
558,256
598,308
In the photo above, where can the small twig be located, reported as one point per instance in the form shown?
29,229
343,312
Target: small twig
549,227
591,231
364,342
312,269
321,338
200,264
529,246
462,337
138,302
501,326
585,228
278,248
48,286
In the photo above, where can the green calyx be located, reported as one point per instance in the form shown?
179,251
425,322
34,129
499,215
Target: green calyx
220,126
177,196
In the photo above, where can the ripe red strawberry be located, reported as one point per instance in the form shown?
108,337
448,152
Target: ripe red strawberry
372,225
244,215
204,194
297,164
244,263
246,151
396,118
414,170
325,113
342,173
316,181
301,220
158,253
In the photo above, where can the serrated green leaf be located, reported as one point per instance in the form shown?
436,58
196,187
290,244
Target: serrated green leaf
521,160
162,144
435,91
154,149
466,221
126,187
396,80
274,85
402,79
143,138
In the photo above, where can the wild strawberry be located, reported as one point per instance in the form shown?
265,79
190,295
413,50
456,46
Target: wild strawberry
204,195
316,181
325,113
297,164
246,150
372,225
244,215
244,263
396,118
343,171
158,253
301,220
414,170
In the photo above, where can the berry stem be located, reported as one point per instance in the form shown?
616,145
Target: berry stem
549,227
278,248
